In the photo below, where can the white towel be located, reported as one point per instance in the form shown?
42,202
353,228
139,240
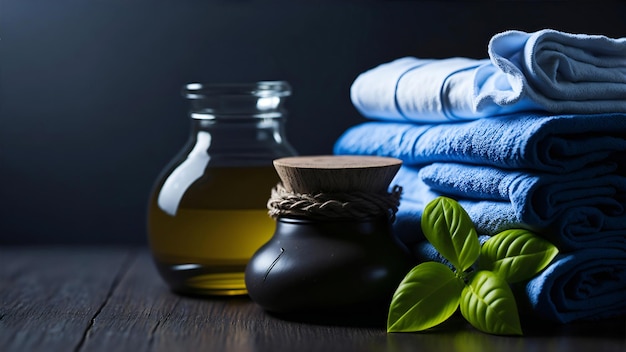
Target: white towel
546,70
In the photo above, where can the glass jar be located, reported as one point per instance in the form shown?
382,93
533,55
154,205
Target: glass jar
207,211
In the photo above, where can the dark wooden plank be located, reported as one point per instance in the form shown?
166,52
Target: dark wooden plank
132,316
49,295
143,315
113,300
239,325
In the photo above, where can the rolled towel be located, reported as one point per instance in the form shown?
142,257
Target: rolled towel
589,284
547,70
549,143
571,228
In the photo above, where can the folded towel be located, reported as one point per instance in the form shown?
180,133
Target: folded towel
537,198
418,90
560,143
588,284
581,224
548,70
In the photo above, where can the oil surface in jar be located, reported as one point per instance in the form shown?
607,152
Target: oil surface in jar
219,224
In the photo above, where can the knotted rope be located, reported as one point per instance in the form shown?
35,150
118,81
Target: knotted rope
333,205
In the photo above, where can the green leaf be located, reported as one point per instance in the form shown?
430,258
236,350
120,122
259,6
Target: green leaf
488,304
427,296
450,230
516,255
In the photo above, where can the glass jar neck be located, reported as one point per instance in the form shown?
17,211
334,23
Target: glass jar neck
238,123
238,128
239,110
260,100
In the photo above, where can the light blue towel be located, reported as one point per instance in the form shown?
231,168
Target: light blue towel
560,143
548,70
589,284
590,214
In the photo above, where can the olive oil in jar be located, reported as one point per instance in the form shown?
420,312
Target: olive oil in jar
207,213
204,247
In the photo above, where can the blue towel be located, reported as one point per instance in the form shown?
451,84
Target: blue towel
589,284
548,70
587,220
542,194
596,194
559,143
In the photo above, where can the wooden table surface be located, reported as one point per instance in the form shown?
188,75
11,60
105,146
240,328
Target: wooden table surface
111,299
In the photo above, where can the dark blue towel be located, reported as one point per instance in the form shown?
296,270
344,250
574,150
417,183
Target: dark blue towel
588,284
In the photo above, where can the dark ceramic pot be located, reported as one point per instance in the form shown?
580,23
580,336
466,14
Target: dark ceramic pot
329,265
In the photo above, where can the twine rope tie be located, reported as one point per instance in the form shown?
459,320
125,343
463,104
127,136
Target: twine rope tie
333,205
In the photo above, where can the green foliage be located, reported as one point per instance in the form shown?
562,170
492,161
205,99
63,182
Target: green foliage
428,295
516,255
432,292
448,227
487,302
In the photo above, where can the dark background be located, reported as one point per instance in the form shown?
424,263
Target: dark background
90,104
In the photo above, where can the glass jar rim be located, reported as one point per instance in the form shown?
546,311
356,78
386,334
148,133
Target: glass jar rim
198,90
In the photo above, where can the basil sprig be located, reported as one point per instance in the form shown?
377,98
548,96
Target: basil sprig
431,292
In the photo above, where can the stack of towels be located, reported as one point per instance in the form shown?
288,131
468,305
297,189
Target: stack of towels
533,137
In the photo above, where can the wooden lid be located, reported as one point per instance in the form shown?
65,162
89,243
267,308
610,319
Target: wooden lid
337,173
